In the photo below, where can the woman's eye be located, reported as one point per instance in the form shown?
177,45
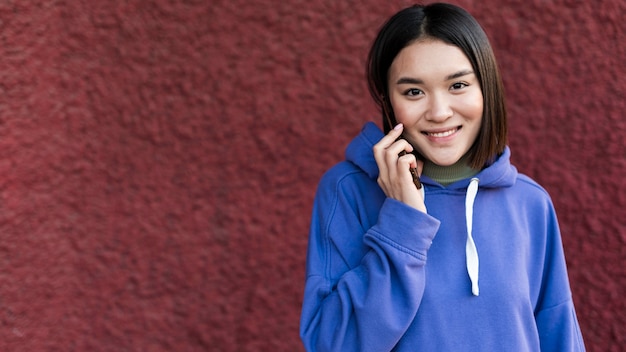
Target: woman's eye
458,85
413,92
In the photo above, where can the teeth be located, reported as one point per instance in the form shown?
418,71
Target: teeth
442,134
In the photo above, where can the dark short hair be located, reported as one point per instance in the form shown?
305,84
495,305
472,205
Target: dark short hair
453,25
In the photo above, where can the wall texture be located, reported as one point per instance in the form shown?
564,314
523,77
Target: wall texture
158,160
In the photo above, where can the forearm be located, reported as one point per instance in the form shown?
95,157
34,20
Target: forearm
370,306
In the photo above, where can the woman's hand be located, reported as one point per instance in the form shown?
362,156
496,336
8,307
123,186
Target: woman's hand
394,171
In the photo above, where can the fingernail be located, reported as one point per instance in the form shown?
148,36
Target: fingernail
398,126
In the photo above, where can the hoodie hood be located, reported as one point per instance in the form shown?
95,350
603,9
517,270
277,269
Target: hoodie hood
359,152
499,174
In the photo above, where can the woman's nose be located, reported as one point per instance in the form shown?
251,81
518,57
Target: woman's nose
439,108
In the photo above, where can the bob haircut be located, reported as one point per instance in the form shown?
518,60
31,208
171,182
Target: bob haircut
453,25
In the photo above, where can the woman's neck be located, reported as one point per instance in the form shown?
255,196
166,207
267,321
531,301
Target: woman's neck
446,175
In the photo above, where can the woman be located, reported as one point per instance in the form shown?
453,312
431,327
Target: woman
471,261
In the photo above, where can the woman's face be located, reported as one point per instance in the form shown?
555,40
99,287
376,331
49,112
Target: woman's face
436,95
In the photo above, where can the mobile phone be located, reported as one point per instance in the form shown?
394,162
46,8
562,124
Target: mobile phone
386,105
416,177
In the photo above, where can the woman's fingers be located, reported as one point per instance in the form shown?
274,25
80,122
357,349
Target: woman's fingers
406,162
394,159
382,156
395,162
387,141
384,153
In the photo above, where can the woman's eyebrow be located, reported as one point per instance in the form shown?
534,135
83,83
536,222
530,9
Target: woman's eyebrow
409,80
459,74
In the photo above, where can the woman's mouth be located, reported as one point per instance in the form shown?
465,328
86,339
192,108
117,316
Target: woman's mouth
442,134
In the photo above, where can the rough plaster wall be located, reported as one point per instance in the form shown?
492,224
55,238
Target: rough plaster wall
158,160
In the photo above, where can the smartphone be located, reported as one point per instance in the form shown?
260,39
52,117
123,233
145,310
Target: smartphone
386,105
416,177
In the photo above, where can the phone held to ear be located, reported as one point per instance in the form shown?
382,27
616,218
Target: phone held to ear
386,105
416,177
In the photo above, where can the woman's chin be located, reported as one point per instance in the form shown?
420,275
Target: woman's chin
444,161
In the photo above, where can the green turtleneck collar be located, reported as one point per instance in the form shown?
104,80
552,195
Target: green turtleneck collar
447,175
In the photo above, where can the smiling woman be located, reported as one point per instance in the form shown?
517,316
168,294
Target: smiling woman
394,267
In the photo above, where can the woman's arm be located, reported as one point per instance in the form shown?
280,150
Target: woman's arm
555,315
369,306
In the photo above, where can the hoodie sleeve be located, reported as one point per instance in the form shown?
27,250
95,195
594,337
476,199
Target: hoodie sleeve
369,304
555,314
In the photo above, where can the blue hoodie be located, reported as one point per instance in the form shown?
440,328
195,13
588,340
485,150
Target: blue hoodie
382,276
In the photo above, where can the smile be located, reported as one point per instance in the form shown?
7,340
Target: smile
442,134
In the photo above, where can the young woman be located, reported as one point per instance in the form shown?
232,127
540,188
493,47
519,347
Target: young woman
468,259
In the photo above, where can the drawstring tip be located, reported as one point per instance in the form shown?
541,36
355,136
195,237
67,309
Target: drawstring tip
475,290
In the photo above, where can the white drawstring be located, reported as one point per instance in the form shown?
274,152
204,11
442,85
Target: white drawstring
471,253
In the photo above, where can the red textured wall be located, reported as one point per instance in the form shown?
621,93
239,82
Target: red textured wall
158,160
